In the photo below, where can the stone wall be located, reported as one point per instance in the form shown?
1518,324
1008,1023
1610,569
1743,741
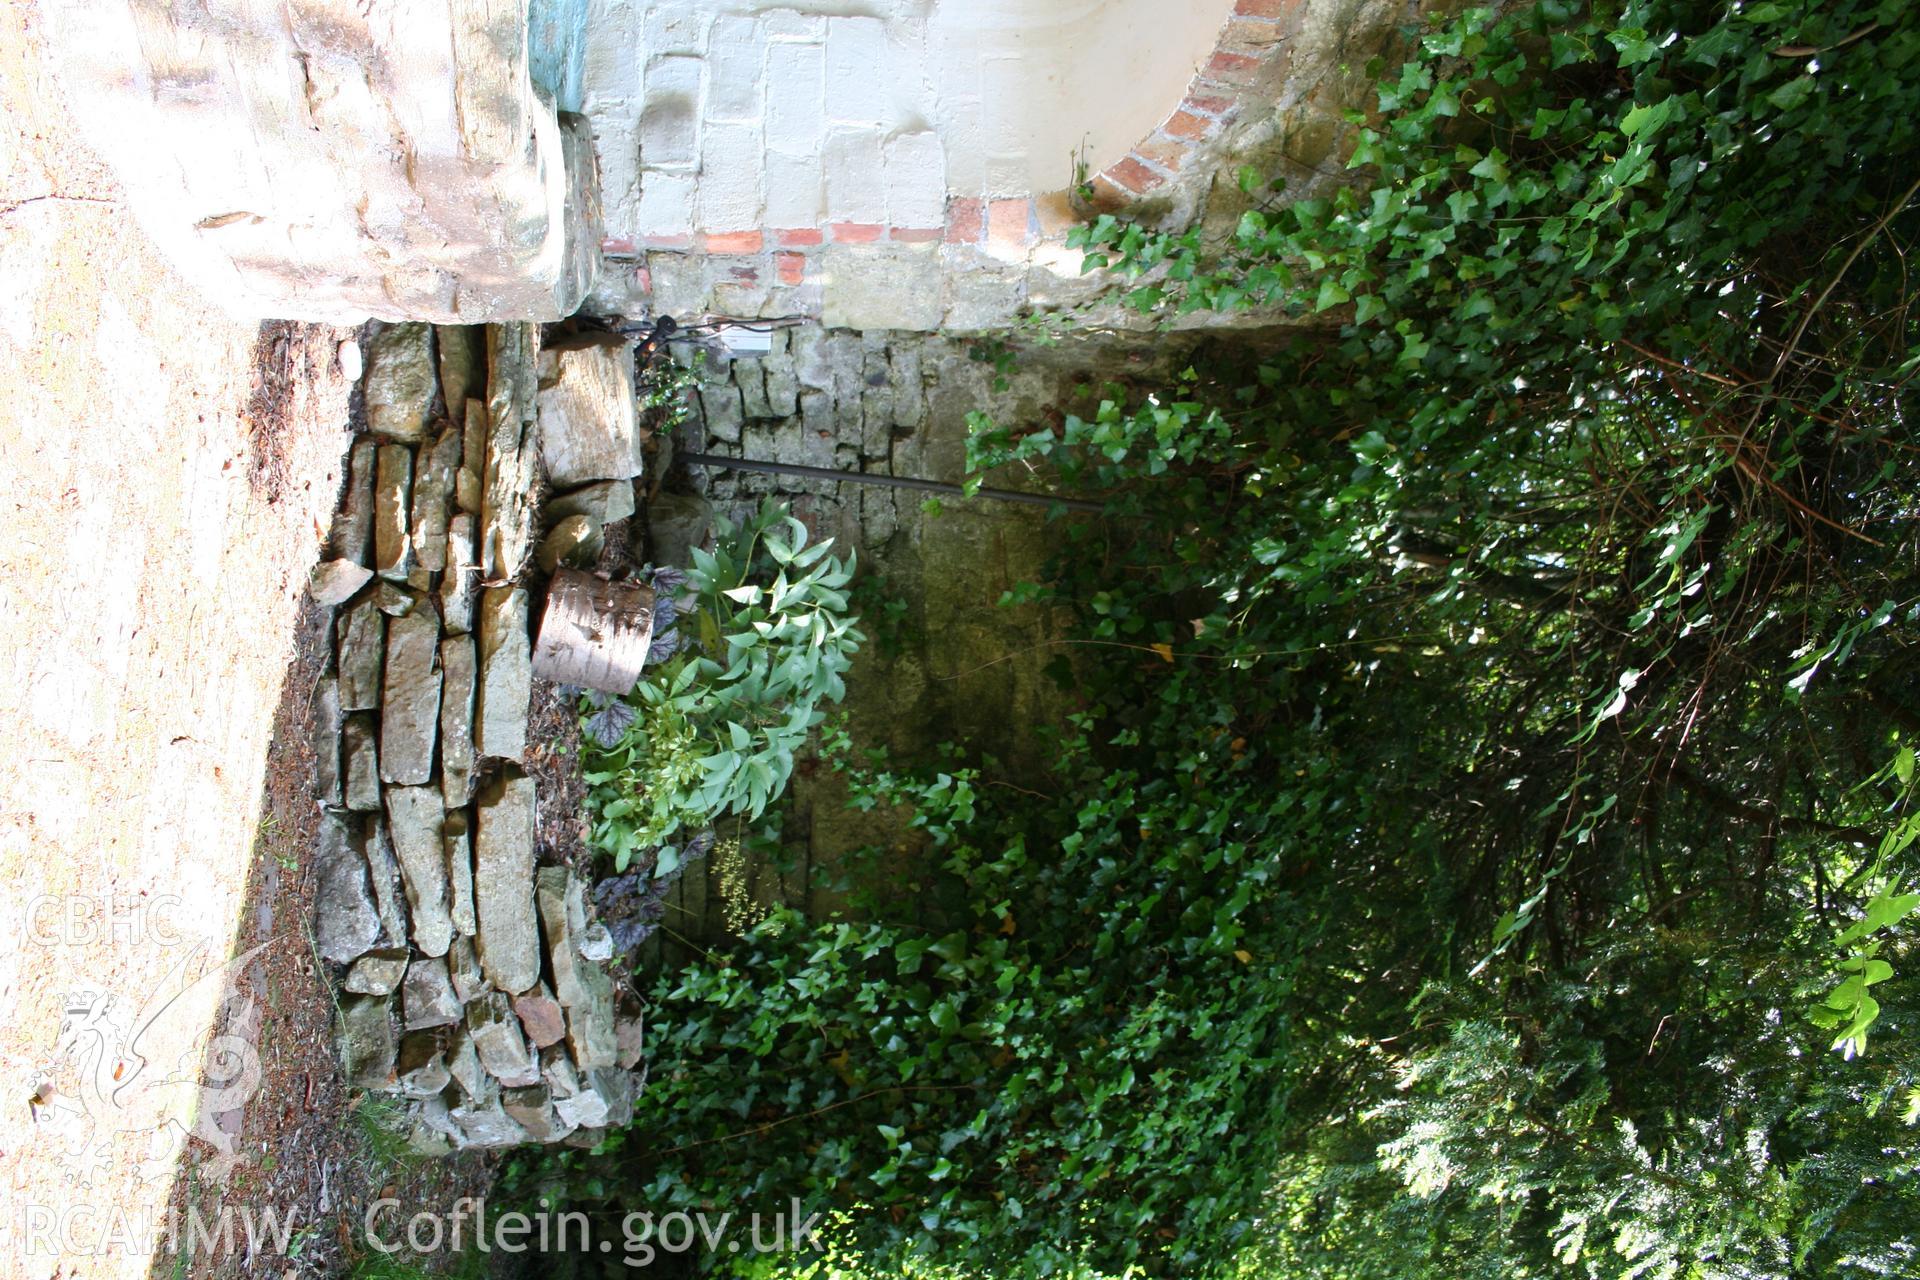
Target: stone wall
472,982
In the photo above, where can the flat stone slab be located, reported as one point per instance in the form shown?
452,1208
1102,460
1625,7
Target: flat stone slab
458,667
461,581
463,967
345,921
328,724
333,582
462,350
360,755
410,702
563,914
361,647
506,673
512,460
590,1029
508,940
541,1016
377,973
458,840
392,489
421,1067
414,818
589,419
605,502
352,536
432,491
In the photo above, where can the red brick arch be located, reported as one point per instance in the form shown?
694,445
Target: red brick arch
1253,50
1252,53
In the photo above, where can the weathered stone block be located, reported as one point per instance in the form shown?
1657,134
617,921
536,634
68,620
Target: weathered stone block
629,1029
458,674
751,377
722,408
541,1016
333,582
352,537
487,1125
463,967
410,704
324,738
367,1047
532,1108
604,1098
362,632
377,973
575,542
590,1033
467,486
459,845
463,364
563,915
414,818
463,1064
676,524
506,673
420,1069
432,491
512,461
589,420
400,383
499,1042
508,940
345,921
392,487
606,502
361,758
383,873
462,577
393,600
427,995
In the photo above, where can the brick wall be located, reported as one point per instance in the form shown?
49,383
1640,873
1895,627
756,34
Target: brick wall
842,164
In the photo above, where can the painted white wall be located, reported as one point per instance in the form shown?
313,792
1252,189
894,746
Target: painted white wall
730,115
1024,86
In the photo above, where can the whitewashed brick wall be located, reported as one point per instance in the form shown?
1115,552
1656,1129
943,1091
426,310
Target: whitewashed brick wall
722,118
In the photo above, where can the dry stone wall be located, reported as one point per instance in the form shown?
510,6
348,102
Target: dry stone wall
473,983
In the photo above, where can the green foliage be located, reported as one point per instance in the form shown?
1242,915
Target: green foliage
1458,865
1064,1061
717,726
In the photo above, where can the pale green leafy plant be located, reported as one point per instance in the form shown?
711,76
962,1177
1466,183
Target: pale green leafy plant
769,639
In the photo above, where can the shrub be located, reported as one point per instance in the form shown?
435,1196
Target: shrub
766,638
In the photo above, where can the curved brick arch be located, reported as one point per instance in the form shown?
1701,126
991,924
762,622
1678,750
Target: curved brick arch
1253,51
927,256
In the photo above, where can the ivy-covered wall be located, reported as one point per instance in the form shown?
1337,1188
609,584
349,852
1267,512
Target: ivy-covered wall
945,660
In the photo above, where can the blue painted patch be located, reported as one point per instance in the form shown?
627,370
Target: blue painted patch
557,40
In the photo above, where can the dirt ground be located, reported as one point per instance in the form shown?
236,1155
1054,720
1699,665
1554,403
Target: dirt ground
164,1029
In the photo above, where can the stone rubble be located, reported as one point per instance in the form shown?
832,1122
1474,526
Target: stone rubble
493,1030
